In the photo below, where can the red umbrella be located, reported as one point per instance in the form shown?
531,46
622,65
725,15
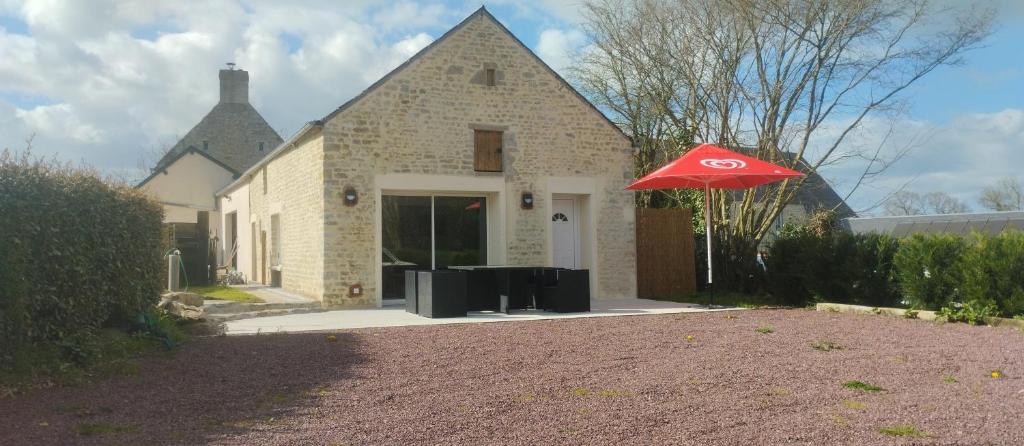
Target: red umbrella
708,166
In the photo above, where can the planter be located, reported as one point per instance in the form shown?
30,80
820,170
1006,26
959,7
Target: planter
570,293
441,294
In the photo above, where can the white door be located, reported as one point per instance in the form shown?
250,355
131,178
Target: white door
565,230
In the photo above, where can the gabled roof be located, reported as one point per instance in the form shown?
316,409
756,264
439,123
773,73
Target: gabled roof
232,133
168,160
482,12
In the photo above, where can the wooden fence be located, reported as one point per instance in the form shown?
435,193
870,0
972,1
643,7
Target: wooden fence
664,253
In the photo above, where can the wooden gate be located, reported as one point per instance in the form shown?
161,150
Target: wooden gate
664,254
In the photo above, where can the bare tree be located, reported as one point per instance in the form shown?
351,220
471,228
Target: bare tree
904,203
943,203
1006,195
788,80
913,203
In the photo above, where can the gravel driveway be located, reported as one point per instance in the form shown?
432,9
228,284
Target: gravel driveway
613,380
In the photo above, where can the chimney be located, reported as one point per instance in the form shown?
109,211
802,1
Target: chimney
234,86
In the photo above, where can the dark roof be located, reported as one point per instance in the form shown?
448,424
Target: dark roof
482,12
815,193
168,161
991,223
232,133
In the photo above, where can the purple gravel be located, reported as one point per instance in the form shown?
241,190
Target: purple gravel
609,380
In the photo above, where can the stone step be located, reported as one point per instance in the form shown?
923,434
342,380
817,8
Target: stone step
211,307
225,317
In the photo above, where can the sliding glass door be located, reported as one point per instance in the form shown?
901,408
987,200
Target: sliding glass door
430,232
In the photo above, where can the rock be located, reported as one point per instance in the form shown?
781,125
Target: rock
181,310
190,299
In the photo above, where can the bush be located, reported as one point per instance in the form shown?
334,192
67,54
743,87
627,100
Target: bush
77,254
993,270
807,263
971,312
930,269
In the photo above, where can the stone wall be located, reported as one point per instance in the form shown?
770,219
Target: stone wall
294,189
421,121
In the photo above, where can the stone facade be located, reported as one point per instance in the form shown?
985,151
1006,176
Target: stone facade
291,186
418,124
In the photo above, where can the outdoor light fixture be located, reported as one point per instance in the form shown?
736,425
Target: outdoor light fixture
527,200
351,198
355,290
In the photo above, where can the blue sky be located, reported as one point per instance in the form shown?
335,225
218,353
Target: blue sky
110,82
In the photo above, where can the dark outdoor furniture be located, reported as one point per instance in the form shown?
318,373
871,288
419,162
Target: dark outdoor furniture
441,293
569,293
482,290
411,298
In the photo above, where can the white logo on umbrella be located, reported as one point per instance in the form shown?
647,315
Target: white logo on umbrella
723,163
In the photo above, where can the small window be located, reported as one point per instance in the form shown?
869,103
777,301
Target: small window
487,151
264,180
490,77
261,146
206,145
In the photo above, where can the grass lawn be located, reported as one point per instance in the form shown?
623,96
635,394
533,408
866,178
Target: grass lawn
111,353
694,378
221,292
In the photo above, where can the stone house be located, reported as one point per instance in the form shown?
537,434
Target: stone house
471,152
228,140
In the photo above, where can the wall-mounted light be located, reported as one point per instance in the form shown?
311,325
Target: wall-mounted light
355,290
527,202
351,197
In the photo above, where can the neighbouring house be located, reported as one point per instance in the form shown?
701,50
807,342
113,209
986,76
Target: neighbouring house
815,194
472,152
990,223
227,141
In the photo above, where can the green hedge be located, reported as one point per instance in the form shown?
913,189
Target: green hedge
806,266
923,271
77,254
993,272
930,269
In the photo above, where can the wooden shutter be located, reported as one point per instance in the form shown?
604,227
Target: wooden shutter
487,151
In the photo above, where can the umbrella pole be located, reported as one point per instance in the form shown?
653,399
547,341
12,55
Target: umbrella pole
707,234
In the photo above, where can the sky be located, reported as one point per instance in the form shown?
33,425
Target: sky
110,83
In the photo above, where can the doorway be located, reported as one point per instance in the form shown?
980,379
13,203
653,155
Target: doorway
427,232
565,233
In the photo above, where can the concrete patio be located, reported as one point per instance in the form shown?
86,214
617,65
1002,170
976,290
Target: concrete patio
397,316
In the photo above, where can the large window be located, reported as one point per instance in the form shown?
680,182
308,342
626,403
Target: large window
430,232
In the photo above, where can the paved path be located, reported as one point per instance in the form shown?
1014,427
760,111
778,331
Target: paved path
273,295
397,316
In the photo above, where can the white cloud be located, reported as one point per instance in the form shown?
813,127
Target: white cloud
107,81
59,119
557,46
960,157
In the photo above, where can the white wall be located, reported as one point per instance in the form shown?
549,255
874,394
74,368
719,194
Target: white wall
188,183
237,200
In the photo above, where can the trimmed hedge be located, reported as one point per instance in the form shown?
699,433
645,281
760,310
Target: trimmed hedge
805,265
979,274
77,254
993,271
930,269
